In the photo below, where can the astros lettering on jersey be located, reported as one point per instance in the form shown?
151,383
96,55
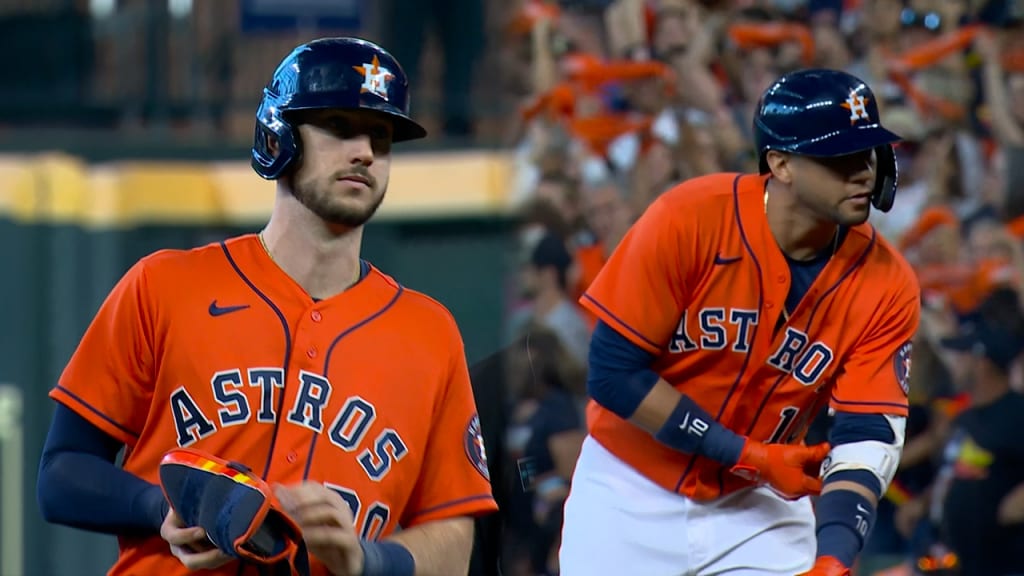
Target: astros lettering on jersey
218,349
700,282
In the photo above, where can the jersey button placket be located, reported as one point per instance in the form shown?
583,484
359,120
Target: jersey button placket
316,317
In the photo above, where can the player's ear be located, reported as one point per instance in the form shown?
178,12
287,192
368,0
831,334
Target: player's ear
273,145
779,163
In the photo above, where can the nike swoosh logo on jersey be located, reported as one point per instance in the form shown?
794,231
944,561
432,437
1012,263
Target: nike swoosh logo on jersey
721,260
222,310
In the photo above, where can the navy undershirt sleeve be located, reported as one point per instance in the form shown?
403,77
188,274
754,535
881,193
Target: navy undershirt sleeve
619,375
81,486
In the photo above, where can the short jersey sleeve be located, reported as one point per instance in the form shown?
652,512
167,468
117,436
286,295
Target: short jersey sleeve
640,291
109,378
454,480
876,376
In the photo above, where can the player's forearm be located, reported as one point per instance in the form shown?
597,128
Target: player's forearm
80,486
656,408
844,513
620,380
863,459
84,492
854,487
675,420
440,548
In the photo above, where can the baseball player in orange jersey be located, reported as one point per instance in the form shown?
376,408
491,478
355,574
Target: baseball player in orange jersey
285,352
732,313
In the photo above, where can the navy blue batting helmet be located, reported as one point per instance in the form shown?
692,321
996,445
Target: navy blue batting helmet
335,73
826,113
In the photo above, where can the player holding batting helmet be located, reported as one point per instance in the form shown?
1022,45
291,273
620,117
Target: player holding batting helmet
273,358
735,310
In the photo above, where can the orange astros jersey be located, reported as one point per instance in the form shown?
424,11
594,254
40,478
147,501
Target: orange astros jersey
218,349
700,282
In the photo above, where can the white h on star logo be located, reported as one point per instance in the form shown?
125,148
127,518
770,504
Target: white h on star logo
858,107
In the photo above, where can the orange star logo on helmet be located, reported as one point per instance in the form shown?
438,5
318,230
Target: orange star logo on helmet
375,78
858,107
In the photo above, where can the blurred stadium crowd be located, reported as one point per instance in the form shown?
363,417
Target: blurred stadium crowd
605,104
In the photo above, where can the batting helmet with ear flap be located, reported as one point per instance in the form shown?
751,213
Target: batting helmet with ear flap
328,73
825,113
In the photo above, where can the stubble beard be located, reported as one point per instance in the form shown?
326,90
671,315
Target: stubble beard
334,210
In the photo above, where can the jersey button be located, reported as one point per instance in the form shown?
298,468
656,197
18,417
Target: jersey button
292,457
316,316
769,305
311,352
782,279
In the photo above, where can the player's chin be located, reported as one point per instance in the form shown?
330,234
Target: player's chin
350,212
348,219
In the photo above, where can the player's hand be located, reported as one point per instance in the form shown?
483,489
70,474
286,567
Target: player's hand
190,545
827,566
327,525
793,470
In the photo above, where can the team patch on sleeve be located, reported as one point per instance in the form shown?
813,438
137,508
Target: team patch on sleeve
901,364
475,450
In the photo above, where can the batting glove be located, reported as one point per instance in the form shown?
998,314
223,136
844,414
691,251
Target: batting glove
827,566
791,469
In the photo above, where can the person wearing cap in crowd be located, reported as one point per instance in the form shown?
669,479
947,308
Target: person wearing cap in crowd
546,285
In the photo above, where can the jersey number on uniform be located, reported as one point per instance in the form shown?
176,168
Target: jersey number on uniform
785,432
371,525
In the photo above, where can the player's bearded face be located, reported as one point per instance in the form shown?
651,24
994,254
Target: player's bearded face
345,167
838,189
